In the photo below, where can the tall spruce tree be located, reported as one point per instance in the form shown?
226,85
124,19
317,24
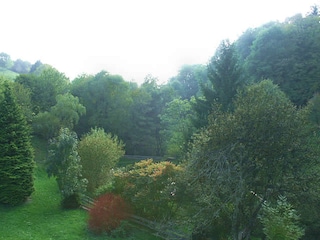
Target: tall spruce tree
16,153
225,77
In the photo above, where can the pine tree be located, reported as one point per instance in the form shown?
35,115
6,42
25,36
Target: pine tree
225,77
16,153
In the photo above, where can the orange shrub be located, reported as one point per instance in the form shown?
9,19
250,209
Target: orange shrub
107,213
150,187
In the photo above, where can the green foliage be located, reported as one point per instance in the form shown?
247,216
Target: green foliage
130,112
45,125
124,230
244,42
315,109
187,83
176,121
288,54
23,96
4,72
37,68
224,72
64,164
281,222
226,78
99,153
107,100
51,110
68,110
20,66
150,188
44,87
141,125
16,153
260,147
64,114
148,103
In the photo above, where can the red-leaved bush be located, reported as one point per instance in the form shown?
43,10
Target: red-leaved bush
107,213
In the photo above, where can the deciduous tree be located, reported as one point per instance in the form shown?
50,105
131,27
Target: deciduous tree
107,100
260,147
288,54
187,83
44,87
177,126
64,114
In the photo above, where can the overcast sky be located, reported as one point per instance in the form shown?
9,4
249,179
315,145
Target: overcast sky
132,38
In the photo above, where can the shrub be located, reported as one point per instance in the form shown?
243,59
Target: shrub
63,163
107,213
150,187
99,152
281,222
124,231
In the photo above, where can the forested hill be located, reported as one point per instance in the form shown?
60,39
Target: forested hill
12,68
155,119
288,53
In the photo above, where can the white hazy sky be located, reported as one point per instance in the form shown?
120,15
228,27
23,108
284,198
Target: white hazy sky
132,38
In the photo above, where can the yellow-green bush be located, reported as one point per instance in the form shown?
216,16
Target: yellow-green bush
150,187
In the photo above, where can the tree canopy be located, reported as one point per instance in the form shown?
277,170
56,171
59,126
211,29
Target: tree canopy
99,153
259,148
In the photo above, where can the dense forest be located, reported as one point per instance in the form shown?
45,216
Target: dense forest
242,134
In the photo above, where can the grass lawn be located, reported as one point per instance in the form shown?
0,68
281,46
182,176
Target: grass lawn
7,73
42,218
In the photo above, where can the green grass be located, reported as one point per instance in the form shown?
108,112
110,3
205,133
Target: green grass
42,217
8,74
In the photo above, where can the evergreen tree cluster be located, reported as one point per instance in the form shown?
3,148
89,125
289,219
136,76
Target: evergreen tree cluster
16,153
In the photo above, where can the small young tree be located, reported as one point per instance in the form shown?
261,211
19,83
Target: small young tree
281,222
99,153
64,165
16,154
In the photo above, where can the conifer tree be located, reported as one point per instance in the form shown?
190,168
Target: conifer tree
225,77
16,153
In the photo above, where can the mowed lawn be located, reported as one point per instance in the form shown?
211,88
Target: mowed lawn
42,217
